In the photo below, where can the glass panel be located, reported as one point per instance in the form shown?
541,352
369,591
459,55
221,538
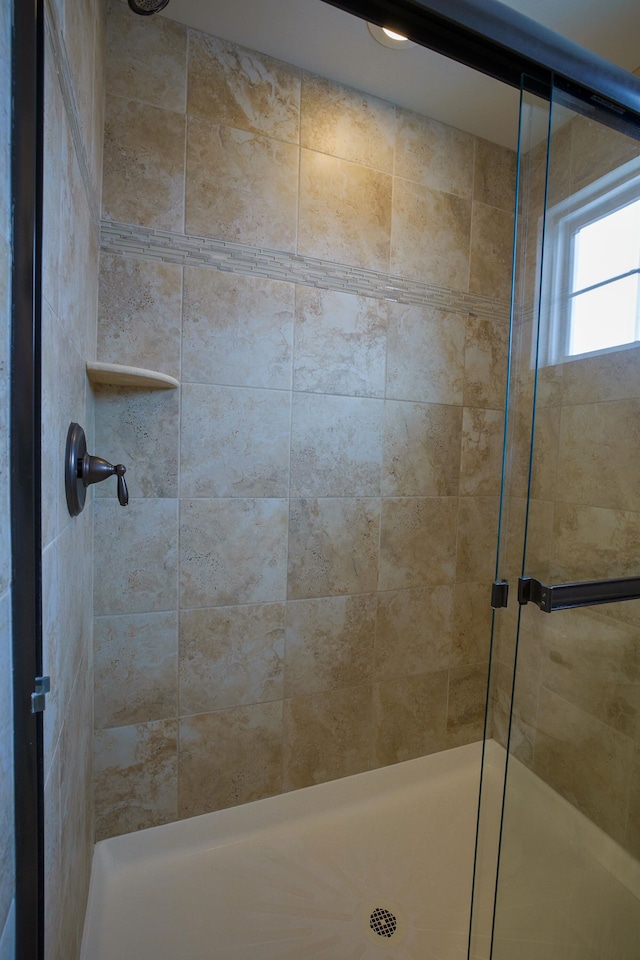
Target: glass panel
569,874
532,151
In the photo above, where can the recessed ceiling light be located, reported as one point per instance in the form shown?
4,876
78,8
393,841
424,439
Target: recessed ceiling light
394,36
389,38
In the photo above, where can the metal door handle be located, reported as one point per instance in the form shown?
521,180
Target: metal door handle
588,593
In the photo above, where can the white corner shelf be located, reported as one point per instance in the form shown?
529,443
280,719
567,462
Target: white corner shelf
119,375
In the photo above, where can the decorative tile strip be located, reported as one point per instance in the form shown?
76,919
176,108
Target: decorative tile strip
191,251
58,53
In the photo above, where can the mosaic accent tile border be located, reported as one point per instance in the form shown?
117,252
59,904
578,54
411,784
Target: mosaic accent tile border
61,63
191,251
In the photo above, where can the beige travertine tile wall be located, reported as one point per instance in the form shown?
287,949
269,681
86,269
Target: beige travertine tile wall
7,836
577,695
298,590
74,92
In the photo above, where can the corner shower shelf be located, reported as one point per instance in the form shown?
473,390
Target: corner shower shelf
119,375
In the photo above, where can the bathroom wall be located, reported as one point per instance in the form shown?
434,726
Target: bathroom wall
72,186
577,696
298,589
7,870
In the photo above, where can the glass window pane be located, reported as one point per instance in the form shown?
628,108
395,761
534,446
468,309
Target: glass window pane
608,247
604,317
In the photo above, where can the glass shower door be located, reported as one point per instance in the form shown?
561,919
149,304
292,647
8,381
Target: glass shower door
568,878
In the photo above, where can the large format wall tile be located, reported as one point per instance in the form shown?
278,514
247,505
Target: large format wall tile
470,624
607,376
417,542
434,154
426,358
76,808
340,343
485,363
54,132
143,165
421,450
234,442
594,543
413,631
136,556
241,88
139,309
410,717
230,757
466,703
231,656
141,429
326,736
596,150
632,835
345,211
430,235
333,547
144,64
136,668
232,552
494,175
237,330
603,434
481,452
78,254
136,777
336,446
594,663
585,761
240,186
329,643
491,251
346,123
477,533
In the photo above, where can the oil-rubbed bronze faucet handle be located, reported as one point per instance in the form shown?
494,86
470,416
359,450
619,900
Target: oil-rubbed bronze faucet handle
123,493
95,469
81,470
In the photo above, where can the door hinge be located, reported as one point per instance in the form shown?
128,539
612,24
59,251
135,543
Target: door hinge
499,594
39,698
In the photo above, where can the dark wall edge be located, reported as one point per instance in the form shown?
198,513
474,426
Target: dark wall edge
26,195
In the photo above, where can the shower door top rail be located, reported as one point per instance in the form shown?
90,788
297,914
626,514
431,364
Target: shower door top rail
501,42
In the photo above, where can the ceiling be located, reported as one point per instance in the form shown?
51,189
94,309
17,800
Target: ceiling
313,35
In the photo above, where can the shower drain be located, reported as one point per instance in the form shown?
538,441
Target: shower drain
383,922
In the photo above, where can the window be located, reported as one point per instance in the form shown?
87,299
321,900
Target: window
592,275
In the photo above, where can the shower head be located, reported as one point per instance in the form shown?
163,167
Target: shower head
146,7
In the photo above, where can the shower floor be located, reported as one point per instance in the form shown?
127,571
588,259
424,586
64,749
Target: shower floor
374,866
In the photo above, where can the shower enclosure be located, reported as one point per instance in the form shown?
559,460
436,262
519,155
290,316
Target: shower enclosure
335,559
565,655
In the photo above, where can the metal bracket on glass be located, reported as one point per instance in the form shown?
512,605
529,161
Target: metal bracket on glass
39,698
589,593
499,594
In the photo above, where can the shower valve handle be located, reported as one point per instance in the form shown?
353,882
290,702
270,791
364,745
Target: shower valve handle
95,469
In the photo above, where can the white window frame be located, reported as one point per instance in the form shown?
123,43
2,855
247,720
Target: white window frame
606,195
